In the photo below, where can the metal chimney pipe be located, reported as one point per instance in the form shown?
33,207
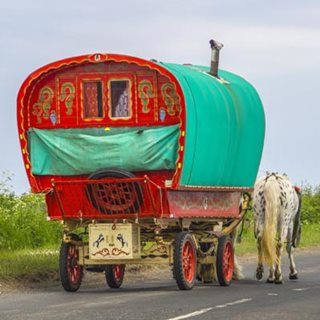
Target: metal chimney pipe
215,49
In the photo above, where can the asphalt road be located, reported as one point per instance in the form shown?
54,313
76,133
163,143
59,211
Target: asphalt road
245,299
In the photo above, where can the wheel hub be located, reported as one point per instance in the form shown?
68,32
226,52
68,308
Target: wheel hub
74,262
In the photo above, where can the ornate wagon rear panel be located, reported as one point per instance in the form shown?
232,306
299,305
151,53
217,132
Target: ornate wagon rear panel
72,123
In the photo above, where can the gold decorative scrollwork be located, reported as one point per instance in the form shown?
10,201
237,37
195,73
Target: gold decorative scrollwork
170,98
67,94
146,92
41,109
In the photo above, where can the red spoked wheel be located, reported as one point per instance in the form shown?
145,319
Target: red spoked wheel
71,272
185,261
114,197
114,275
225,261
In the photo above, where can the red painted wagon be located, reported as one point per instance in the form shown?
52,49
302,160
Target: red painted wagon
143,161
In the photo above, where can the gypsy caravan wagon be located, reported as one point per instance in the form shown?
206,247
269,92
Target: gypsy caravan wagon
143,161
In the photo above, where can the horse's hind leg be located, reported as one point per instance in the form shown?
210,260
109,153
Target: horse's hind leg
293,275
278,272
271,277
259,271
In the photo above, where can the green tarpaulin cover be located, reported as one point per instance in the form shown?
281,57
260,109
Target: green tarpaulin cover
83,151
225,127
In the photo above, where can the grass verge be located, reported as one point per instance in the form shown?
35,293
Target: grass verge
29,266
310,238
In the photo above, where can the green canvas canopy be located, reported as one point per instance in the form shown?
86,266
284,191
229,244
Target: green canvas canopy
225,128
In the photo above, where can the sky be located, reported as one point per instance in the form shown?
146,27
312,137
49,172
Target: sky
273,44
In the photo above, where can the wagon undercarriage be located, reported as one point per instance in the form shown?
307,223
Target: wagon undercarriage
196,248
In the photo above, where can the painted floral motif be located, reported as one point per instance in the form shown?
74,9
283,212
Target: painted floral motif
170,98
146,92
114,252
67,94
41,109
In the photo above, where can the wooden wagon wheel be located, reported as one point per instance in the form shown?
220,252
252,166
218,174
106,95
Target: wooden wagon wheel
71,272
115,197
184,261
114,275
225,260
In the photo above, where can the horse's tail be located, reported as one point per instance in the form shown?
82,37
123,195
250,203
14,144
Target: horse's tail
271,195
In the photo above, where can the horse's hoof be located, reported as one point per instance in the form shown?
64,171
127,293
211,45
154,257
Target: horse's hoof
259,275
270,280
293,276
278,281
238,276
259,272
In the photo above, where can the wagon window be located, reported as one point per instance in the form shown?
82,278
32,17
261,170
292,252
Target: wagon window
120,99
92,100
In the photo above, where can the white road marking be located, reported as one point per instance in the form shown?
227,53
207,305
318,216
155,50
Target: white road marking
300,289
202,311
272,294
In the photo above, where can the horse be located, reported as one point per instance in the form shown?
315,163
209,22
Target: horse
98,241
276,212
121,239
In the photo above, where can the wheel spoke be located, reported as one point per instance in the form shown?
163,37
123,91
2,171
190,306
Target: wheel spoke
73,269
228,262
225,263
117,271
187,261
70,270
114,275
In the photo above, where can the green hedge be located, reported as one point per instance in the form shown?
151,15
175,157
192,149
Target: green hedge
310,209
23,223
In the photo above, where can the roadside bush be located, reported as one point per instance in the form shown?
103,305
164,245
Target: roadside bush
310,208
23,221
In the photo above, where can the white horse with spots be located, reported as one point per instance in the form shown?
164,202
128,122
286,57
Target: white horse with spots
276,208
